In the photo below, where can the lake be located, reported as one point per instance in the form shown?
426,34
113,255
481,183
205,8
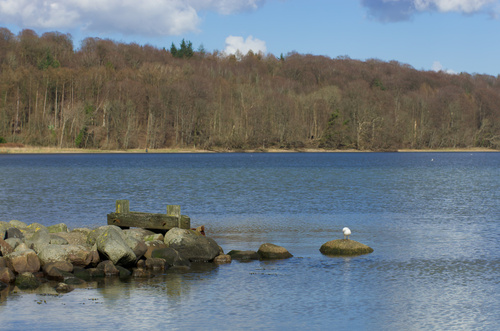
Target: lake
433,220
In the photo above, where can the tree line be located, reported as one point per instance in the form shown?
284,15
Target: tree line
113,95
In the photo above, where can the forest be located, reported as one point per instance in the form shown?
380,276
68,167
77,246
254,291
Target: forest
112,95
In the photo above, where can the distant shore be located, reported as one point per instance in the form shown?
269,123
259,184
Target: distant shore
54,150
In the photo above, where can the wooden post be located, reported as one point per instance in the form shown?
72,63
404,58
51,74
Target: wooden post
122,206
174,210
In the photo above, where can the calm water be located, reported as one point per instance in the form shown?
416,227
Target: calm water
432,218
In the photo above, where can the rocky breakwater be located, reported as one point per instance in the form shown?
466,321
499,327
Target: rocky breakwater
31,255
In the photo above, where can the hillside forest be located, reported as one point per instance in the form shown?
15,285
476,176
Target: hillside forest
112,95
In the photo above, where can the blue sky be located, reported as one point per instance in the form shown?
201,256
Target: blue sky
450,35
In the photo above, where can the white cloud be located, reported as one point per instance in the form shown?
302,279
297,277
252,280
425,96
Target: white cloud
147,17
437,67
465,6
236,44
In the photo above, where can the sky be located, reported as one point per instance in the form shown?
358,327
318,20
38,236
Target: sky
450,35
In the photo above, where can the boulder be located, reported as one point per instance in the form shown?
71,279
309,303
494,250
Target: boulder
23,261
27,281
74,238
57,240
243,255
63,288
14,242
111,244
13,232
152,246
223,258
3,229
87,274
6,275
137,233
57,270
84,231
56,228
36,227
21,247
75,254
156,263
191,245
273,252
38,239
344,247
95,233
108,268
155,236
3,264
170,255
141,273
5,248
18,224
138,246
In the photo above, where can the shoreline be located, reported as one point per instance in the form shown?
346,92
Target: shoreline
55,150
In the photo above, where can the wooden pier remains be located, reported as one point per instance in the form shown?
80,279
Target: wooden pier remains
124,218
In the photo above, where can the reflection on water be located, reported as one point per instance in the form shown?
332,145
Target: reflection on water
434,226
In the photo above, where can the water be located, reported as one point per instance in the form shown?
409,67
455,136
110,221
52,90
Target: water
432,218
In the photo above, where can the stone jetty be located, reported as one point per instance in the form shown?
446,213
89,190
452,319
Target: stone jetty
34,254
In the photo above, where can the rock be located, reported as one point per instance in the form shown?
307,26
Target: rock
3,264
192,246
6,275
243,255
27,281
153,245
153,237
14,233
5,248
3,229
64,288
57,270
273,252
84,231
95,233
38,240
74,254
344,247
170,255
73,280
56,228
223,258
14,242
141,273
137,233
123,273
57,240
108,268
23,261
87,274
156,263
111,244
35,227
138,246
21,247
74,238
18,224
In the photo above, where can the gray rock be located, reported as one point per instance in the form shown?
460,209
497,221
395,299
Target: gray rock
27,281
108,268
138,246
14,233
153,237
273,252
57,240
21,247
111,244
223,258
36,227
85,231
153,245
56,228
64,288
137,233
14,242
95,233
38,240
192,246
23,261
74,238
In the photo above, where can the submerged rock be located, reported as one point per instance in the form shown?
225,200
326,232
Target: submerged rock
27,281
243,255
273,252
344,247
223,258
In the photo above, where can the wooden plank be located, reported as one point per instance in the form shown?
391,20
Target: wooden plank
122,206
148,220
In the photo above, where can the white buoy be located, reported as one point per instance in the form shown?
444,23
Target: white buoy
347,232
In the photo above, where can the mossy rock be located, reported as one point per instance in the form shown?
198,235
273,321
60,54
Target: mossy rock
243,255
344,247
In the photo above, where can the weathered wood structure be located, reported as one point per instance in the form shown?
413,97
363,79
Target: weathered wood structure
124,218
